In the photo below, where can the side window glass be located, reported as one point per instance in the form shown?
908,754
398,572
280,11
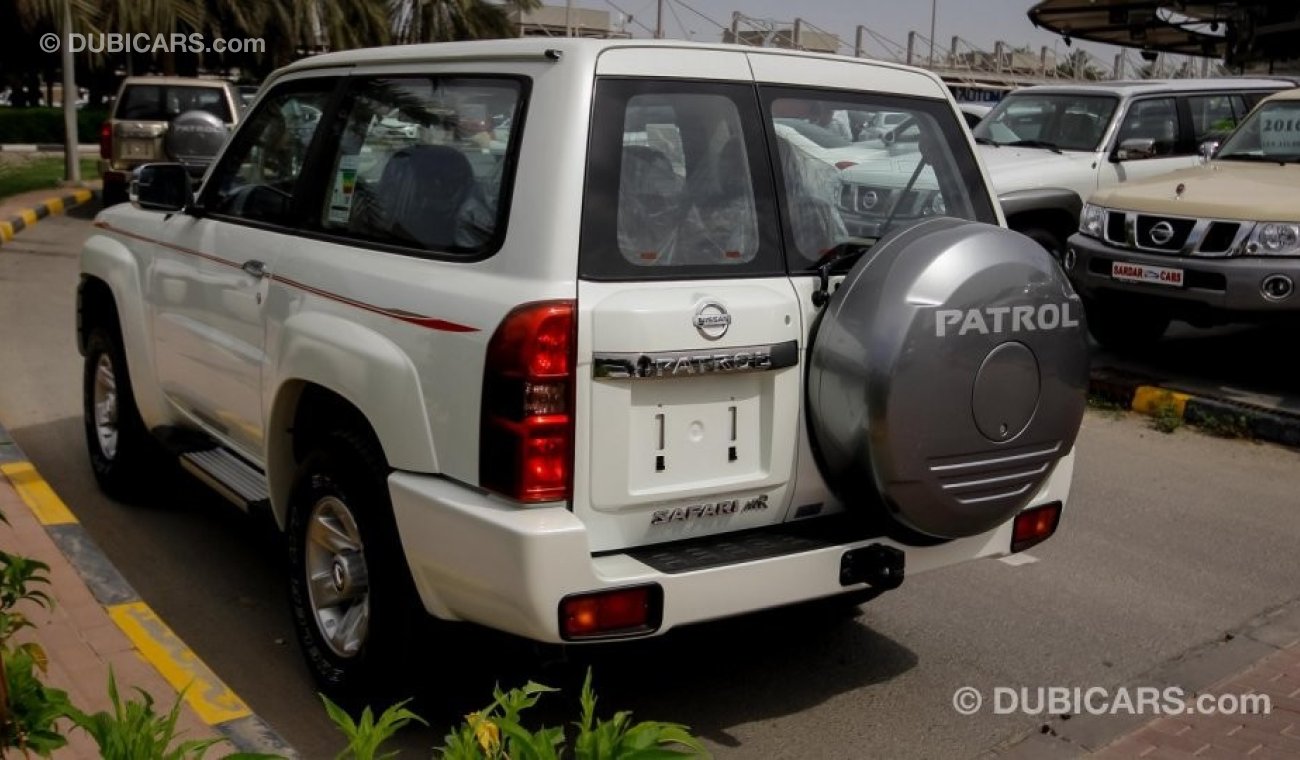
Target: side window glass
257,175
1213,116
424,162
679,206
1155,119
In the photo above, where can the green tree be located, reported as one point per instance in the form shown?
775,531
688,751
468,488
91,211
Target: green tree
447,20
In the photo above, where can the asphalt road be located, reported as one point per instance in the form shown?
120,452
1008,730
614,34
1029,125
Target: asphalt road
1169,541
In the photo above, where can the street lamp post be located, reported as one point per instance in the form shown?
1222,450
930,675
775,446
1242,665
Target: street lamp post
71,155
934,9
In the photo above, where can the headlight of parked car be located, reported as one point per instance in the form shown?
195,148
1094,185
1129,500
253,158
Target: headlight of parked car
1092,221
1275,239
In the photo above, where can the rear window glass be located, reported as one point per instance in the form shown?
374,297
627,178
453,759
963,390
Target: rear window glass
677,183
914,165
159,102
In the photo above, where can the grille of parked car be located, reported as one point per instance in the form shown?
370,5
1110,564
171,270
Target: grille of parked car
1179,236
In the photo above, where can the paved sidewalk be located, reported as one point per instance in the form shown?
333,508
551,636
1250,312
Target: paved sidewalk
78,635
98,622
1275,736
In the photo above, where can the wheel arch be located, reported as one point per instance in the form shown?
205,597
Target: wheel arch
1055,210
332,372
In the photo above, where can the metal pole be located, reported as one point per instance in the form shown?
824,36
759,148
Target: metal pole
797,34
857,41
568,18
934,10
659,22
911,45
71,157
735,27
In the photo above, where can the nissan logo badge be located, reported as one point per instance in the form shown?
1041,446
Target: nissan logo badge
712,320
1162,233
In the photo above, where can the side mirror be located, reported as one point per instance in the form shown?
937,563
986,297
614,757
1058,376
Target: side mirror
1135,149
161,187
1208,149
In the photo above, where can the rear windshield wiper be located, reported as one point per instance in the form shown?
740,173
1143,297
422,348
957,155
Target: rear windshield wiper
849,250
1035,144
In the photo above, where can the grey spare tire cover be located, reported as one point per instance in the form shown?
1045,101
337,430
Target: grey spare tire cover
194,138
947,376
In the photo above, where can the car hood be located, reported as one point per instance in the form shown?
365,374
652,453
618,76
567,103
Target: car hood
1012,169
1220,190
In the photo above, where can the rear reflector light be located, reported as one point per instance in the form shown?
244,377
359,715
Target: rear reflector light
1034,526
106,140
610,614
526,439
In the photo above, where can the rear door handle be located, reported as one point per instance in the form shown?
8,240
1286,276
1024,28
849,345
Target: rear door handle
254,268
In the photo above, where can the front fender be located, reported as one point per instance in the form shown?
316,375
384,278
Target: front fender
108,259
362,366
1041,199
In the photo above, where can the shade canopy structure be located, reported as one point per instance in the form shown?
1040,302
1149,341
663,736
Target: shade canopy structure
1242,33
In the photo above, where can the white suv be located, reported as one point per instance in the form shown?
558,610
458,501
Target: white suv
1049,148
545,335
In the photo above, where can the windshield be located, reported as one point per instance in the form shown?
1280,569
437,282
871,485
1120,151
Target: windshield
1271,133
1064,121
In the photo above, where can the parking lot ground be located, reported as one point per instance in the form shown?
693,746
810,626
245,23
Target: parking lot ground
1239,697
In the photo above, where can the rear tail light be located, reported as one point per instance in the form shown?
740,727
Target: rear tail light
610,614
106,140
526,439
1034,526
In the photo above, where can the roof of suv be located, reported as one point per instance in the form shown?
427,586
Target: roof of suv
183,81
1132,87
530,47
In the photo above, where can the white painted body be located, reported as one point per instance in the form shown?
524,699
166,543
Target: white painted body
404,338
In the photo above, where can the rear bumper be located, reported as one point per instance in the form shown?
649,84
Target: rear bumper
1226,287
479,559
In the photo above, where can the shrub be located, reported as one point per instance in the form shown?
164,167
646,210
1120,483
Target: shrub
45,125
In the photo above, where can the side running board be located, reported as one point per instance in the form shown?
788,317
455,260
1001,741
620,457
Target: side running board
232,477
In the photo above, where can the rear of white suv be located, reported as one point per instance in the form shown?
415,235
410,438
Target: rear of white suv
618,366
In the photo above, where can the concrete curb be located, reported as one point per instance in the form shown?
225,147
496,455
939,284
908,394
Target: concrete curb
1144,395
205,693
28,216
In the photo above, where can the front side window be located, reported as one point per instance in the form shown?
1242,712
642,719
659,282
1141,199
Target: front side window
425,163
677,183
856,192
1271,133
258,175
1154,119
1059,121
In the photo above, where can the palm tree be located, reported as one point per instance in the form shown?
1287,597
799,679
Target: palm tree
447,20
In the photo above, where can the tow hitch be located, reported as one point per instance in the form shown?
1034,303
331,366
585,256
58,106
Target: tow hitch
877,565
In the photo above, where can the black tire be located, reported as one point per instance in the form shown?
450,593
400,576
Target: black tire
1047,239
1124,327
122,453
349,469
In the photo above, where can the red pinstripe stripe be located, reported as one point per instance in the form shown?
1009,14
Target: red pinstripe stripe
432,323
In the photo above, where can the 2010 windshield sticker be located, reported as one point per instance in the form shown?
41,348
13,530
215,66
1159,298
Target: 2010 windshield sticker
345,184
1280,132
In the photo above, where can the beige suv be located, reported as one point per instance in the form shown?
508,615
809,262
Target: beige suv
1211,244
177,119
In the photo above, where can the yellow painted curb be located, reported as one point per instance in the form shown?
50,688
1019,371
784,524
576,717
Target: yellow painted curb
29,216
37,494
205,693
1148,399
82,195
6,232
55,205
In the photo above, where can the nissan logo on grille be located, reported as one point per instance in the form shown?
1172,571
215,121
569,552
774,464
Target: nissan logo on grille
1161,233
712,320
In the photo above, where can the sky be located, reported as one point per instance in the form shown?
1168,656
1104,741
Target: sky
979,22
